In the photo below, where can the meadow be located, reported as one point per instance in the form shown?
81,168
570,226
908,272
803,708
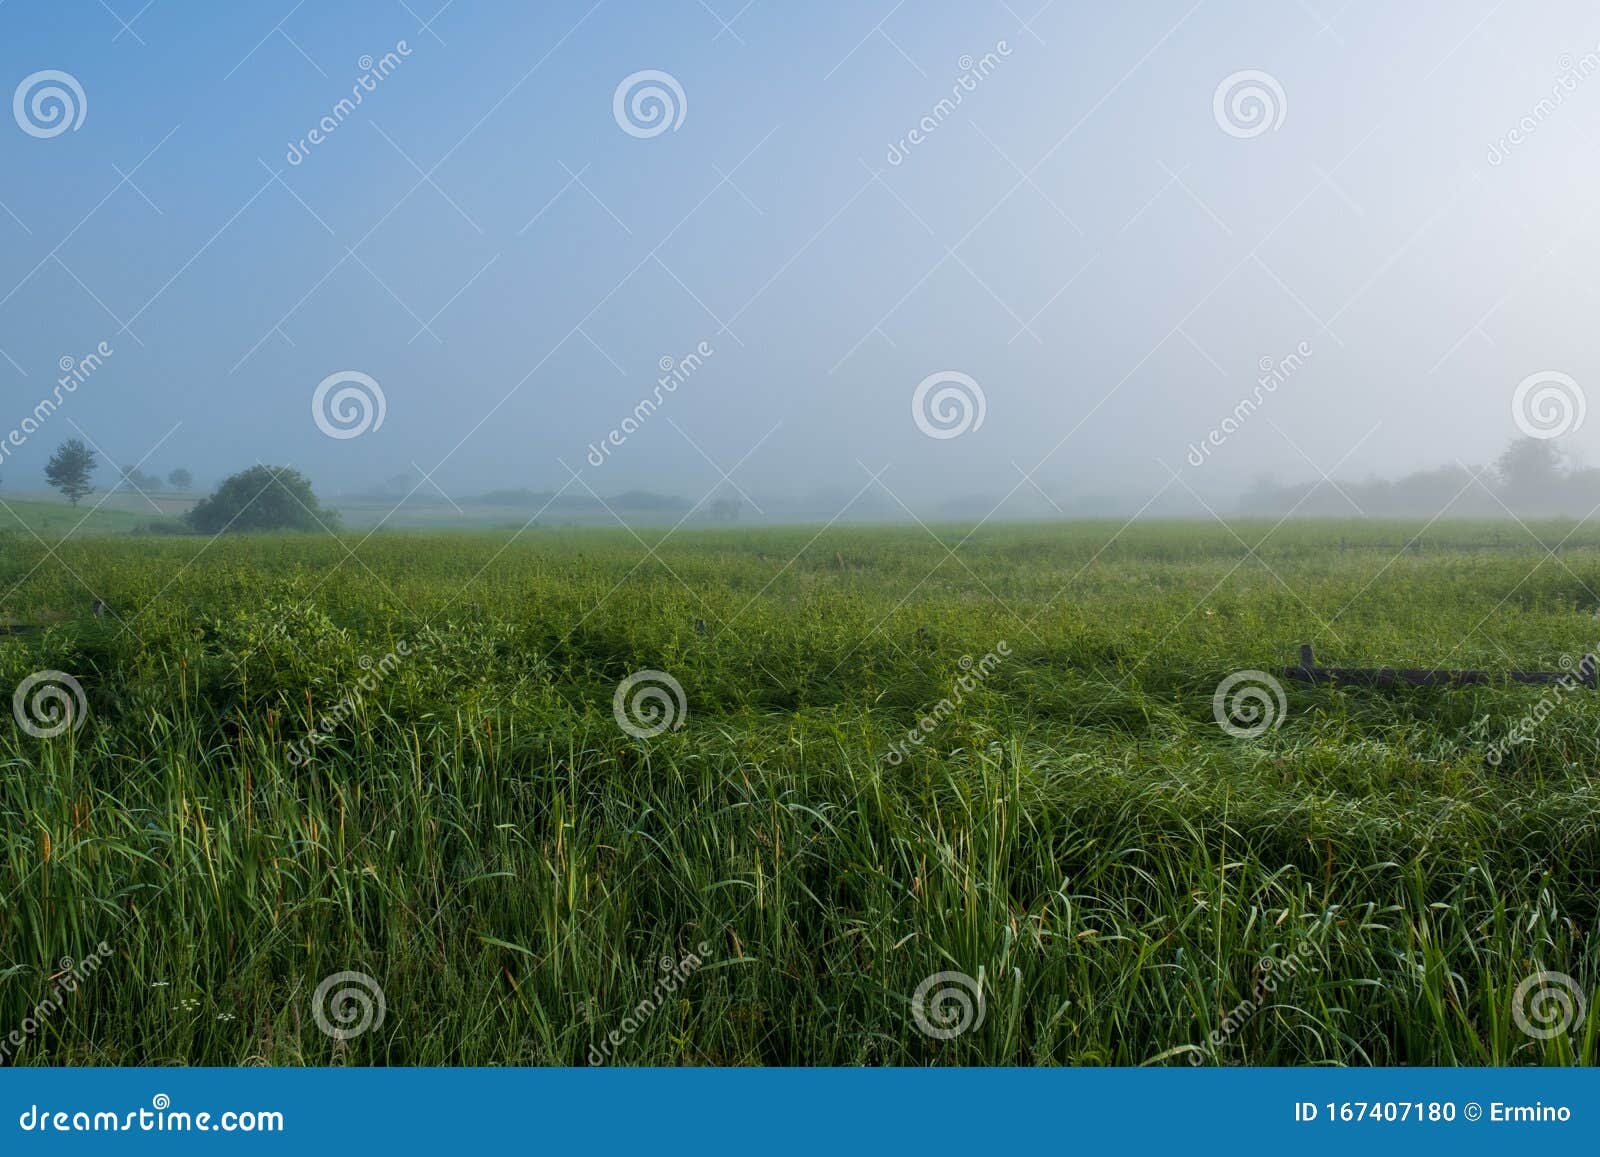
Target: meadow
1123,879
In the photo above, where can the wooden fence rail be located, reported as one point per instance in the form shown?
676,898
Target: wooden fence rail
1583,673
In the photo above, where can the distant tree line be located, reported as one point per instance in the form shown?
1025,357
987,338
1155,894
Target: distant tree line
134,478
71,470
1530,478
260,498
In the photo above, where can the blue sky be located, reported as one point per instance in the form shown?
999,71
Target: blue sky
1081,237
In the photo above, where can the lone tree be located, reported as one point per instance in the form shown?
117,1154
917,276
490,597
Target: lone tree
261,498
1530,472
69,469
180,479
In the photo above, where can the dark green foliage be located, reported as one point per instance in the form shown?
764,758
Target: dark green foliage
261,498
71,469
477,834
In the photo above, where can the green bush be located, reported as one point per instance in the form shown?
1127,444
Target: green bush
262,498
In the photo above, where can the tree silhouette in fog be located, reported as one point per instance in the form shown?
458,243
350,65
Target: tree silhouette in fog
1530,477
70,469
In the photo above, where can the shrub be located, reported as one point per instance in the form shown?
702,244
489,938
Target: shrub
261,498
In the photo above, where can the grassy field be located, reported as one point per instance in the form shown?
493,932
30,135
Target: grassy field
29,515
771,877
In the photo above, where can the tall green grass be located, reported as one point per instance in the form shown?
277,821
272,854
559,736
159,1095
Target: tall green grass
511,868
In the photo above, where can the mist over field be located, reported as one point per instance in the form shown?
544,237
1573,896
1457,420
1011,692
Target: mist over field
725,534
1177,249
